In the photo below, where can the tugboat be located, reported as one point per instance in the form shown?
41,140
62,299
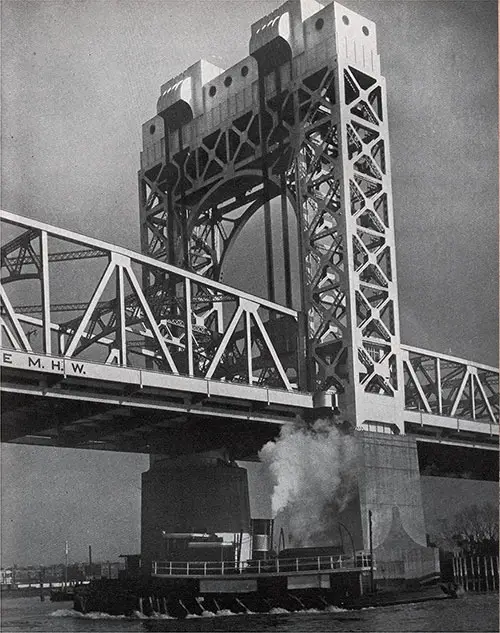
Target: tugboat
204,573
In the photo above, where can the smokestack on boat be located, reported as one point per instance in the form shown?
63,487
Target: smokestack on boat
262,538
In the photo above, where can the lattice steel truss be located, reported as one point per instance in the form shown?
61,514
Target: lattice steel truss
446,386
303,122
203,330
211,331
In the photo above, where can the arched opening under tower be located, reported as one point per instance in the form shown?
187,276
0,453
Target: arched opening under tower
244,263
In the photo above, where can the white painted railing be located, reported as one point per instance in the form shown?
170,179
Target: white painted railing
260,567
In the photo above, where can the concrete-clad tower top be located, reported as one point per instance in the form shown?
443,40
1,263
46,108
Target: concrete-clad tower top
287,22
295,28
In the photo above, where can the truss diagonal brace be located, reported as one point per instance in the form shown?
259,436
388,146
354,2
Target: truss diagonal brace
225,340
272,351
90,310
149,315
12,315
418,386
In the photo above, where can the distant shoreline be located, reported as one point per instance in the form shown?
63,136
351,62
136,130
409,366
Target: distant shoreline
25,592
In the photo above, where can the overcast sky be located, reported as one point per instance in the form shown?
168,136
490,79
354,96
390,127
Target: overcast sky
79,79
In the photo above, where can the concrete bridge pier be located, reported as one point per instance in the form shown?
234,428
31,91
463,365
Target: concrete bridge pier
389,487
205,493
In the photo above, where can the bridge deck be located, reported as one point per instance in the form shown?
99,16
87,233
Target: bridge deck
185,364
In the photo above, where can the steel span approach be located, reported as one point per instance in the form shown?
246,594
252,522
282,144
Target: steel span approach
132,369
299,130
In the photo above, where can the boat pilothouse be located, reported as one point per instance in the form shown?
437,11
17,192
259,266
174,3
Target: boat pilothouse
192,546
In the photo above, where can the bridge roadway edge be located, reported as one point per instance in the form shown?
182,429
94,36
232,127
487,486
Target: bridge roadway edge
40,377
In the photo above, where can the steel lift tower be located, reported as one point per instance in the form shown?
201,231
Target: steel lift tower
300,124
298,128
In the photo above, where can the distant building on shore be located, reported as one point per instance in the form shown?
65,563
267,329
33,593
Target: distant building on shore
76,572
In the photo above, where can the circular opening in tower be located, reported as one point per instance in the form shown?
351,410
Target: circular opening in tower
212,91
320,23
244,71
345,19
365,30
228,81
152,129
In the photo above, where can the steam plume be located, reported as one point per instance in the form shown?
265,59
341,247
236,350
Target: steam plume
314,470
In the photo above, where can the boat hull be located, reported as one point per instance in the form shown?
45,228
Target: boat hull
180,597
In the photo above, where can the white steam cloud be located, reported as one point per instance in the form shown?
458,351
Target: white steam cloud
314,470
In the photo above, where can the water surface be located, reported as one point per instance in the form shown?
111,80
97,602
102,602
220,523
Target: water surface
473,612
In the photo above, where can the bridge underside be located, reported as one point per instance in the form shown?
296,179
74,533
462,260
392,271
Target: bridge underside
77,412
114,418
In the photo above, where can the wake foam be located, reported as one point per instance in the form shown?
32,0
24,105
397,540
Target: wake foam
64,613
154,616
137,615
211,614
333,609
94,615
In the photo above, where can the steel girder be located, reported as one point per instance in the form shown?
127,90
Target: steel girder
435,384
179,323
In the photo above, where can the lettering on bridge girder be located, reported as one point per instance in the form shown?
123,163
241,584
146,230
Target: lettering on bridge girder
36,362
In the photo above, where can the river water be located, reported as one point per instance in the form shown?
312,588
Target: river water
472,612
